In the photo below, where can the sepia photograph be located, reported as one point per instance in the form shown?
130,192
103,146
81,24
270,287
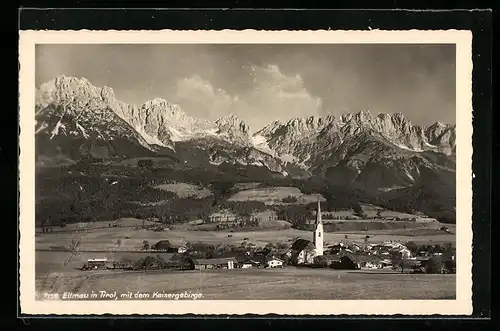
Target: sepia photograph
236,171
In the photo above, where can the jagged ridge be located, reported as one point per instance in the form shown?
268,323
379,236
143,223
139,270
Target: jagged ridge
353,147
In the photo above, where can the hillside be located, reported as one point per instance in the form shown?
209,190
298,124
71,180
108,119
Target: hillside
382,159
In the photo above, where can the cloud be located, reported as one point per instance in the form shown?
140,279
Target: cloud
199,98
271,95
281,96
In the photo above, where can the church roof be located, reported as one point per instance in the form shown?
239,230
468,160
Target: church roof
301,244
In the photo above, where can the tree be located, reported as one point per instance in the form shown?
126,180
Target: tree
399,261
414,248
358,211
290,199
450,266
448,248
282,245
145,163
73,247
433,265
150,262
74,244
437,249
269,246
320,261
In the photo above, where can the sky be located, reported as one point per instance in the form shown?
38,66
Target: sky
261,83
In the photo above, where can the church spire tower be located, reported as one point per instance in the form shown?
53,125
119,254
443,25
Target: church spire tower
318,232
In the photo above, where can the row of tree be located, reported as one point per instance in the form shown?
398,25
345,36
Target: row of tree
68,196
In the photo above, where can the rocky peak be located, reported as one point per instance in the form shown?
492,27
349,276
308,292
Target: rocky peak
234,128
442,136
164,108
344,118
65,89
363,116
438,128
232,122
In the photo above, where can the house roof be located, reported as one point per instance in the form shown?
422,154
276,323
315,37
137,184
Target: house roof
249,261
214,261
332,257
275,258
164,244
260,258
97,260
239,256
359,258
301,244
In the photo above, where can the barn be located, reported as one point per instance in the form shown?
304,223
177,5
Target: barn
275,263
220,263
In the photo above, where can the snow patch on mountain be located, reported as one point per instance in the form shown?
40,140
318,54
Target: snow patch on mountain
82,130
41,127
260,143
366,145
56,129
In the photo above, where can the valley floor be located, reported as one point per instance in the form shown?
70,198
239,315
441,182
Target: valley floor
58,271
131,239
259,284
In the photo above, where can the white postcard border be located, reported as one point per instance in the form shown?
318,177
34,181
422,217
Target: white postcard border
461,306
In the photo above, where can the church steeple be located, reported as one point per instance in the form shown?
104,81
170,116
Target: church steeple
318,215
318,232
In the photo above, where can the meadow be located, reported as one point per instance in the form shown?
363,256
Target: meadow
260,284
275,195
58,271
131,239
184,190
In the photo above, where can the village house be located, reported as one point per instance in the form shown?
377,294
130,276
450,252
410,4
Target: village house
219,263
302,252
367,261
182,249
249,263
387,248
337,248
275,263
95,263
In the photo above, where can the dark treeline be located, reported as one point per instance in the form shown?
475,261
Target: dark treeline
88,192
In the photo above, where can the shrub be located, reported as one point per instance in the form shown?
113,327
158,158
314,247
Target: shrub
320,261
290,199
151,262
433,265
450,266
412,247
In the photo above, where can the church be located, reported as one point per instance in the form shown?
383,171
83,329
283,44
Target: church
304,251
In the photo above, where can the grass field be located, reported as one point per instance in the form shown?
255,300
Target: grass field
184,190
106,238
260,284
372,211
55,272
275,195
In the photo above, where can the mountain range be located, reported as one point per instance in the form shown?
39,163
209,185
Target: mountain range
77,120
